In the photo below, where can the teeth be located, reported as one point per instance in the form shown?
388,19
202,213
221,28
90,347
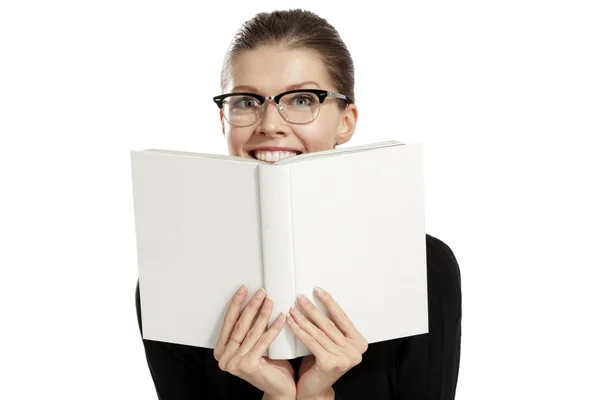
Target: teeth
273,156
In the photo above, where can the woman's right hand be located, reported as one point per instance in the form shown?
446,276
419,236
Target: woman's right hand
241,346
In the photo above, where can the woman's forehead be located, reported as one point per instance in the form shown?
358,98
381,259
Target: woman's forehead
274,69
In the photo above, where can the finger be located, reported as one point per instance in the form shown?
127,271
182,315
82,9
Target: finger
338,315
245,321
261,347
321,321
231,316
315,332
258,329
310,342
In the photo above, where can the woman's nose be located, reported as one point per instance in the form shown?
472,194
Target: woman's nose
271,121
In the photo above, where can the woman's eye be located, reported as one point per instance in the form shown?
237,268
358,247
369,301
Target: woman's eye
246,102
302,101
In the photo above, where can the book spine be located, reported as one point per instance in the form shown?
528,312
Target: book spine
278,251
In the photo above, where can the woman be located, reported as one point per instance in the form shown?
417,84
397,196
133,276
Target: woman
288,84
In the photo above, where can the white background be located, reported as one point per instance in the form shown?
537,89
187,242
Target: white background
504,94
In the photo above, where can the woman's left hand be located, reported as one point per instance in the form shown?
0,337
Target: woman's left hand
336,346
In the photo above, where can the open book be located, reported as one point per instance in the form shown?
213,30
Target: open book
349,220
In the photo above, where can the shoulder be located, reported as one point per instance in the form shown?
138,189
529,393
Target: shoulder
441,258
444,280
428,364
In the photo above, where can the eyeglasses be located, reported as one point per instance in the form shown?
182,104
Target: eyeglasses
299,106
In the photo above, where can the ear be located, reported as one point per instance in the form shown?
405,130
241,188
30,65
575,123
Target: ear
222,121
347,124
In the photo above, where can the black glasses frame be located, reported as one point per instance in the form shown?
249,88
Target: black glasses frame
321,94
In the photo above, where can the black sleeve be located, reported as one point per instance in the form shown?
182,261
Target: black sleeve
428,364
181,372
178,372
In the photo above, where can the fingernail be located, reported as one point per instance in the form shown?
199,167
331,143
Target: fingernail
318,290
302,298
241,289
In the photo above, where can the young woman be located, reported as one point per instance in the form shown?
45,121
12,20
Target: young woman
288,88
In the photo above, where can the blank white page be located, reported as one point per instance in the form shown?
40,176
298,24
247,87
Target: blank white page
198,240
359,232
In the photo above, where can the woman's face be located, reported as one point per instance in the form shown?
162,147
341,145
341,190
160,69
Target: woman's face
269,71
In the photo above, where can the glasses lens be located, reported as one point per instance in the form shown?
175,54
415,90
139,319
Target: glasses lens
241,110
300,108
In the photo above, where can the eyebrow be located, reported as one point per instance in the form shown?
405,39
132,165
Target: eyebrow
244,88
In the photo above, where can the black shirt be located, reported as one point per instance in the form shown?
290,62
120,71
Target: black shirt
421,367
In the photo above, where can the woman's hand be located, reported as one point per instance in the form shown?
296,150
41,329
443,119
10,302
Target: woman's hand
241,346
336,346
